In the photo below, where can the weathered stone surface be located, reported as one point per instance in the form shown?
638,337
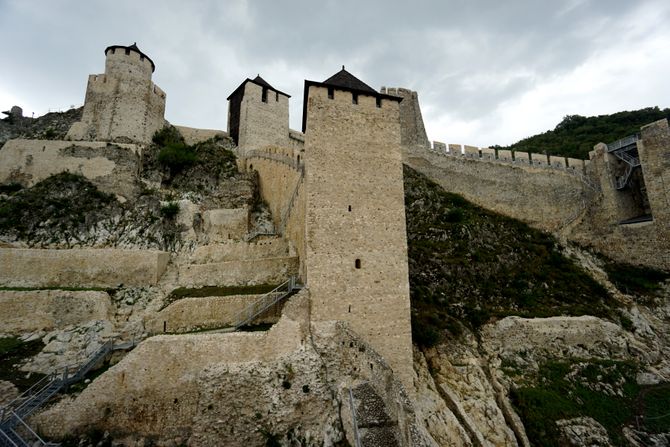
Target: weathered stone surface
239,272
35,310
355,236
80,267
526,341
111,167
583,432
189,314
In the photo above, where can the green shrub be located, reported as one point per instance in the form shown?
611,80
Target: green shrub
177,156
633,279
170,210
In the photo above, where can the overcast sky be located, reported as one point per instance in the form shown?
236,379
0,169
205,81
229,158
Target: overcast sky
487,72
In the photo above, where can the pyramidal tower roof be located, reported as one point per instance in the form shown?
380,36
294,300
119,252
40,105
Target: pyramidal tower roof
343,80
258,81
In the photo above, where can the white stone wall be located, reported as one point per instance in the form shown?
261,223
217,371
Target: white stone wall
80,267
43,310
263,123
239,272
190,314
113,168
356,246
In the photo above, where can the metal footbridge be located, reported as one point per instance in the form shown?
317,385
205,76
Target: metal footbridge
625,150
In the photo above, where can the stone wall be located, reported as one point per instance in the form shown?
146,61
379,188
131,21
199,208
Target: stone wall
412,130
43,310
545,198
111,167
654,151
356,246
223,224
190,314
281,185
80,267
263,123
266,247
239,272
193,135
169,400
122,104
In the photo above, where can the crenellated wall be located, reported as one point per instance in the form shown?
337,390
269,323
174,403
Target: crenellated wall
546,197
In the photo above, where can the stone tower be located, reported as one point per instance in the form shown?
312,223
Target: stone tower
356,244
412,130
258,115
123,104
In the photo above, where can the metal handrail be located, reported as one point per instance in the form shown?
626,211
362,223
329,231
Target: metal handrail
626,141
264,302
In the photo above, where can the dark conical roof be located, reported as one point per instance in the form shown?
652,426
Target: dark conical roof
262,82
346,80
258,81
343,80
134,48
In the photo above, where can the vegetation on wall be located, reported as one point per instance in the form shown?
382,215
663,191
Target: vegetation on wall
67,210
469,266
199,168
576,135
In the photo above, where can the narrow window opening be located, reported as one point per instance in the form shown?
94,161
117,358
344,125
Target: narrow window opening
264,95
349,208
379,102
276,97
251,167
127,51
164,326
354,98
331,93
349,308
298,158
357,263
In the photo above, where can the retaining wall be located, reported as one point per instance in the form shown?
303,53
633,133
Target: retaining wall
238,273
112,167
80,267
45,310
190,314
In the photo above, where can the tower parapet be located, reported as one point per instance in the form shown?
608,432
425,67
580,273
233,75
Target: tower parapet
123,104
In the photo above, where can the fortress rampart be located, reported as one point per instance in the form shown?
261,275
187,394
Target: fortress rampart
548,198
579,200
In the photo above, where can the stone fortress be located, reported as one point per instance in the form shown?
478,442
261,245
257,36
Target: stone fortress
335,192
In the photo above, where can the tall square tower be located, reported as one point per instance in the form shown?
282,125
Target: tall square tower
356,243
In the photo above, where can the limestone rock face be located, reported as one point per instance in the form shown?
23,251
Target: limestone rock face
583,432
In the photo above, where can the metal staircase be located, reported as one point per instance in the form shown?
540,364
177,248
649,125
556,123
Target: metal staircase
263,303
626,151
14,432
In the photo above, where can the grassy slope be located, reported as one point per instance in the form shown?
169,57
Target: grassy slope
469,265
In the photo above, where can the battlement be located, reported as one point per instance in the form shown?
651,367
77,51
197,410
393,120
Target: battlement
509,157
119,59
